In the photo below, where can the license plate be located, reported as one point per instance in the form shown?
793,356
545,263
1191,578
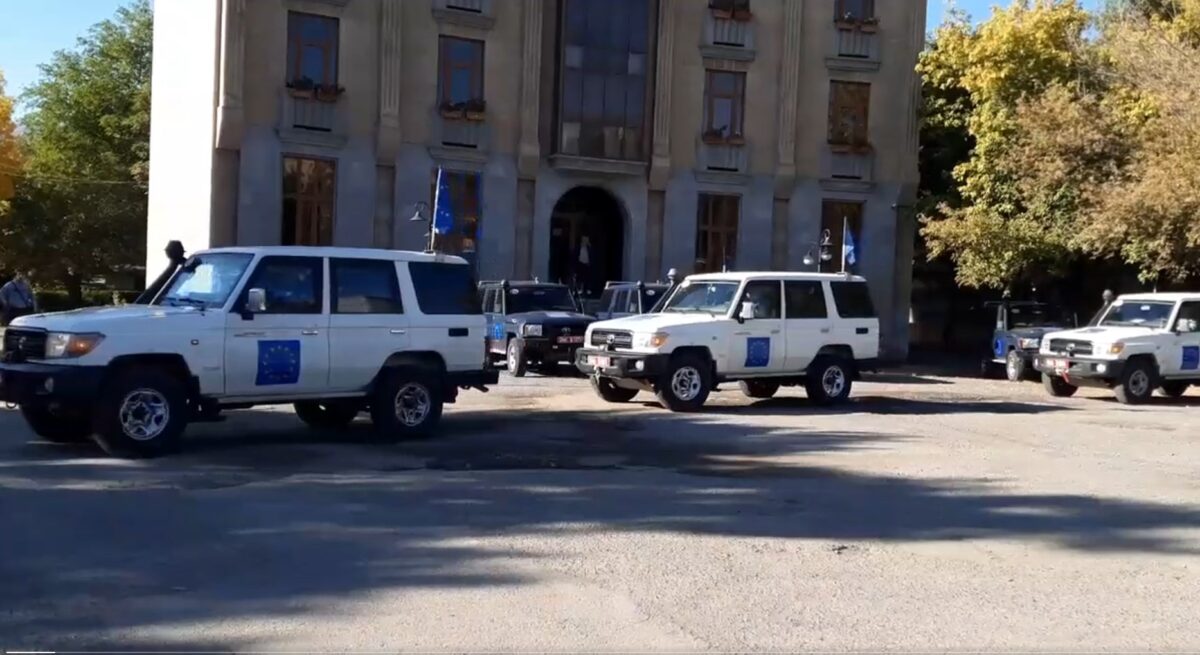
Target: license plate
600,362
1061,365
578,339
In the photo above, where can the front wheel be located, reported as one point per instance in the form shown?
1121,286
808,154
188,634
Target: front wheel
686,384
610,392
515,356
142,413
1014,366
1136,383
1058,387
1173,389
759,389
57,425
407,404
829,380
329,414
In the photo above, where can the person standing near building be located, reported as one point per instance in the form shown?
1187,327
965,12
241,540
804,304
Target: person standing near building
16,299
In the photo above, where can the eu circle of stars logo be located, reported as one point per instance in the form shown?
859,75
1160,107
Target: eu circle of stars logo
278,363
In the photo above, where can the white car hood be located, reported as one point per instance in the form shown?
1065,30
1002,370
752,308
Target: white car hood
96,319
1106,334
655,322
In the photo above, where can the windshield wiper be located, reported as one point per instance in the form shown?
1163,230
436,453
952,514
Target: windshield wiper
191,302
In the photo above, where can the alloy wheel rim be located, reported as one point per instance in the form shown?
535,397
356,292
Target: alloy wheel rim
1012,365
685,383
412,404
1139,383
833,381
144,414
512,359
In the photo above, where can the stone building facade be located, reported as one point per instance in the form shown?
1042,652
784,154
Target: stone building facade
579,140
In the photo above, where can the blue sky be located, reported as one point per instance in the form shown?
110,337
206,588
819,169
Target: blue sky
33,29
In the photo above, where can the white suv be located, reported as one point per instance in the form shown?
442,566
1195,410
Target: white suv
335,331
764,330
1140,343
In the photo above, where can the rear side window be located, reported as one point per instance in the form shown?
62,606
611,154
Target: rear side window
444,288
853,299
365,286
805,300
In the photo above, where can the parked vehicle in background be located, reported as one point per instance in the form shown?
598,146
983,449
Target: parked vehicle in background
532,325
621,299
1143,342
1020,326
762,330
333,331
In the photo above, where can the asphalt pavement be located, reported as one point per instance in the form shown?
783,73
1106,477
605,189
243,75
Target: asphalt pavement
930,513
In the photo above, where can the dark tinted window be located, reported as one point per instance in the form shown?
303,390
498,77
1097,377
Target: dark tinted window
853,299
365,286
541,299
444,288
294,285
805,300
765,296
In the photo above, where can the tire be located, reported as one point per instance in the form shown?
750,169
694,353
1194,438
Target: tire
987,369
1058,387
759,389
142,412
327,415
829,380
58,427
1136,384
515,358
418,387
685,386
610,392
1173,389
1015,366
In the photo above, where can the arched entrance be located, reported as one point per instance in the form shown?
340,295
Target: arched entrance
587,239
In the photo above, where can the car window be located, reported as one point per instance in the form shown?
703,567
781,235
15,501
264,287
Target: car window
805,299
207,280
540,299
444,288
365,286
853,299
650,297
1189,317
606,300
765,296
631,301
1138,313
293,285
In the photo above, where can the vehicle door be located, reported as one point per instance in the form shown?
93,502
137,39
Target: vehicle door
493,311
857,324
367,323
284,349
807,325
1183,357
759,343
447,319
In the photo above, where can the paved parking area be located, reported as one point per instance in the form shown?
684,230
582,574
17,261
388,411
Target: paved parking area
929,513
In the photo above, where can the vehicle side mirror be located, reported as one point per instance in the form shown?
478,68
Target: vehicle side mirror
1186,325
747,313
256,301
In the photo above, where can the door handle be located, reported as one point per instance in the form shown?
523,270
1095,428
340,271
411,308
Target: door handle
741,334
398,331
774,331
824,330
250,334
459,332
310,333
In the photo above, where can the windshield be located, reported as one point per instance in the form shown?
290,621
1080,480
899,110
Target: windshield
540,299
711,297
651,295
1029,316
1139,314
206,281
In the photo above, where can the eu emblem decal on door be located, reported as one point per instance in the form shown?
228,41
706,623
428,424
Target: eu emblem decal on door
1191,358
278,363
758,352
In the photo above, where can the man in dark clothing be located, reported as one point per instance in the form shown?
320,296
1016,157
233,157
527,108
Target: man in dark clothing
16,299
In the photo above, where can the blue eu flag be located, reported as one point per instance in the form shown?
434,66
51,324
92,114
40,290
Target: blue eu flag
849,248
443,211
278,363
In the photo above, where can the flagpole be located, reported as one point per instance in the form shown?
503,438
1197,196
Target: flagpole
437,192
844,221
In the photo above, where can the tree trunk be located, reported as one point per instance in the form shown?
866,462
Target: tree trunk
74,287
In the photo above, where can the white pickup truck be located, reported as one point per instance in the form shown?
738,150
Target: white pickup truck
1140,343
335,331
762,330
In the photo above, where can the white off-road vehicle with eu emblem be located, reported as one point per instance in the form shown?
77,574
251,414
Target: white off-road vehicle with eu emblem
1140,343
762,330
334,331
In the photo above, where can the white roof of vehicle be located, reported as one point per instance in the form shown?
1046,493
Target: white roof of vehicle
327,251
775,275
1162,297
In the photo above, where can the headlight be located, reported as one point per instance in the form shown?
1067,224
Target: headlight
655,340
2,340
532,330
65,345
1029,344
1116,349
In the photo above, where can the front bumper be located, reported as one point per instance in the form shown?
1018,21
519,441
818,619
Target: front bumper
29,382
1079,368
1026,354
547,350
635,366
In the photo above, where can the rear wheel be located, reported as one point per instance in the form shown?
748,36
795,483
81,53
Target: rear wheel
407,403
610,392
1136,383
58,426
1058,387
1014,366
758,388
1173,389
686,384
829,380
141,413
327,414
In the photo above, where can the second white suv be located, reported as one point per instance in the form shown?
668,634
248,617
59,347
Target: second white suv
763,330
334,331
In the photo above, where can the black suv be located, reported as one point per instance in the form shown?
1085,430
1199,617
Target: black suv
1020,326
532,324
621,299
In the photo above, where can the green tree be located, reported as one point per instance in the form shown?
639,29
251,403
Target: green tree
10,155
80,211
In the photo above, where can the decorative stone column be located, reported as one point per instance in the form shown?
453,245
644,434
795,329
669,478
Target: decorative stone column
232,65
789,91
391,75
531,74
660,159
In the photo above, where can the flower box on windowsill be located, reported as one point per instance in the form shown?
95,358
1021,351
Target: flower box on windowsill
475,110
302,94
719,139
323,93
864,25
739,15
851,148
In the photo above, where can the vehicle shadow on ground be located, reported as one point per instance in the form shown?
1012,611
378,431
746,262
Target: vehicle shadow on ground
868,404
260,517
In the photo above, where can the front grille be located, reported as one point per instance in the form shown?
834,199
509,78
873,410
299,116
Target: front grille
20,345
1070,347
620,339
564,330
